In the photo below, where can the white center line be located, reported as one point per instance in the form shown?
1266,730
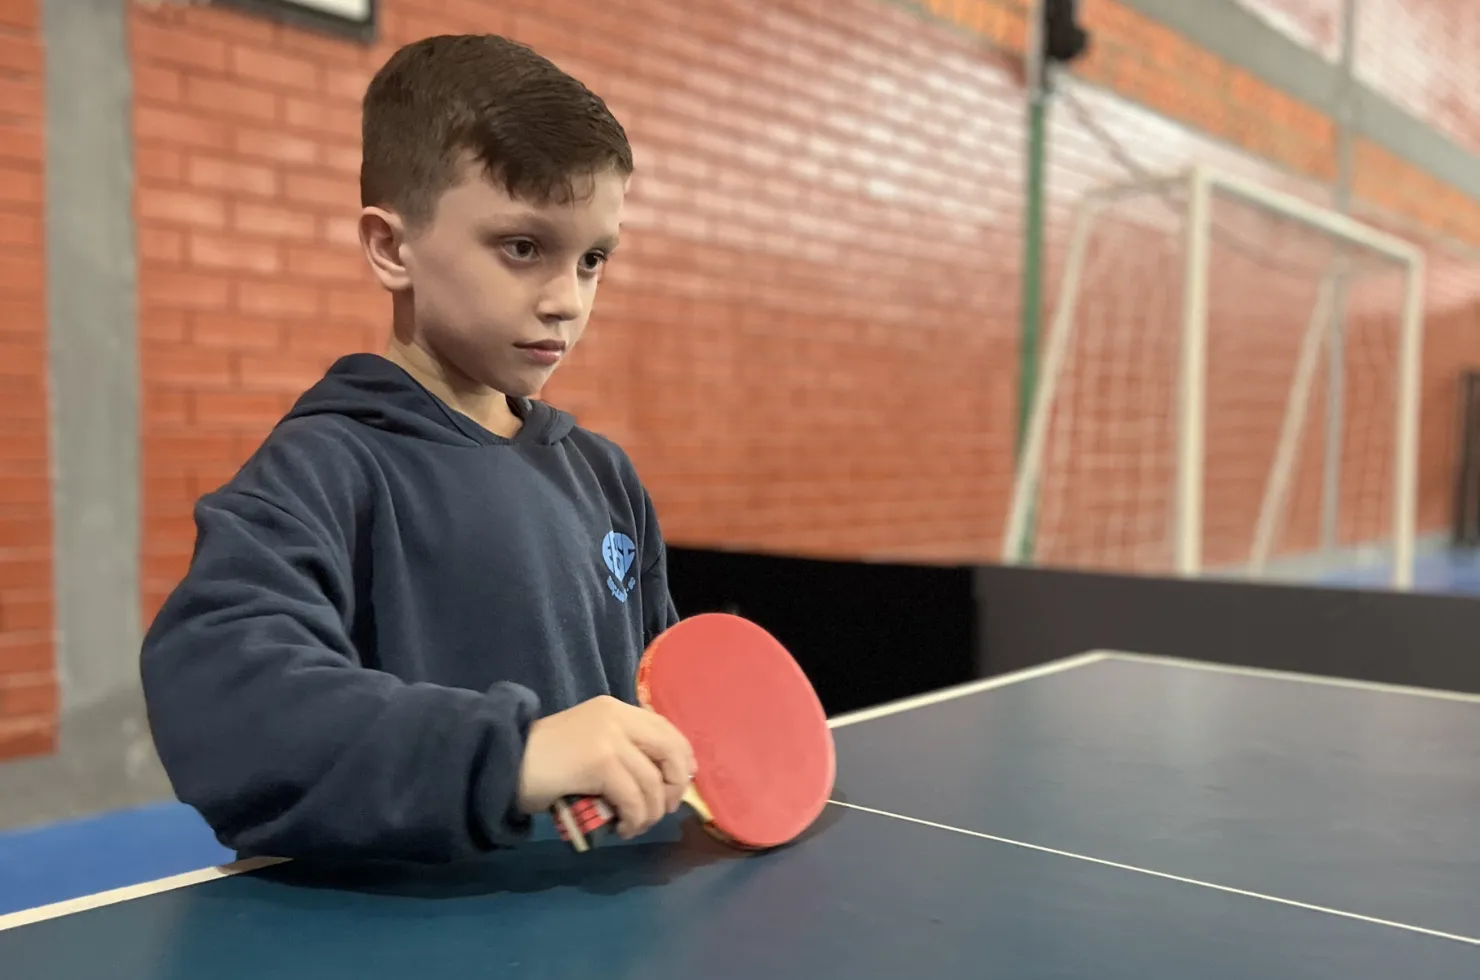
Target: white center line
1160,874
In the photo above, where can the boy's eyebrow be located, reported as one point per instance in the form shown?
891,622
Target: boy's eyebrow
534,221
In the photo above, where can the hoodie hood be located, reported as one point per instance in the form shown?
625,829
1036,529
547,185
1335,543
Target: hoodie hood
373,391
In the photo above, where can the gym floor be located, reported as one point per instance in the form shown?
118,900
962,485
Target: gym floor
58,861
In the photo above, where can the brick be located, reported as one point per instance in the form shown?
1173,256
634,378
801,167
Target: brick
28,737
343,159
165,406
320,191
180,127
367,303
158,83
241,179
180,290
22,570
277,299
22,356
229,407
162,245
184,449
317,117
188,366
237,100
258,64
22,142
328,264
272,222
20,271
156,43
236,333
19,186
276,146
28,695
346,83
159,164
162,326
292,373
20,54
20,230
211,252
28,443
24,533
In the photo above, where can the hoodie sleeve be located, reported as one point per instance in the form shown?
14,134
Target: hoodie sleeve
267,723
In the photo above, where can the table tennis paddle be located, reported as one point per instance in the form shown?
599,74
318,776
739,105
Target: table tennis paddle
761,743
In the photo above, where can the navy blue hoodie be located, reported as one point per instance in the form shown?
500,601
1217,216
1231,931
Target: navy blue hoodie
380,603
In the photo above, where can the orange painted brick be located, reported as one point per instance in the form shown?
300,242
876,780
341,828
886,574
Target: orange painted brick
262,298
288,372
273,145
319,117
230,407
25,532
19,185
22,356
327,192
189,366
27,737
236,333
20,54
159,164
180,127
339,265
21,142
20,272
20,230
271,221
233,99
229,23
158,83
241,179
188,447
27,610
162,326
346,83
212,252
181,290
155,41
162,245
165,406
259,64
28,695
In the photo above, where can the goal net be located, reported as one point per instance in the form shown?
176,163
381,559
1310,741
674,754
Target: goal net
1228,383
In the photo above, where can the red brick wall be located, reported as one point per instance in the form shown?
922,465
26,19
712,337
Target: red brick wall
801,345
27,680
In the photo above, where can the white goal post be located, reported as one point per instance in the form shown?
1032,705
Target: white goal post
1343,244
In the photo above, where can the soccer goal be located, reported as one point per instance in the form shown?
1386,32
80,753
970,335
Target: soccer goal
1229,383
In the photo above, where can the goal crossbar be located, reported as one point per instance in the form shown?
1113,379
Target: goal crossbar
1200,183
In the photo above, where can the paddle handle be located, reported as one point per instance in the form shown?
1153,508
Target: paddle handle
582,819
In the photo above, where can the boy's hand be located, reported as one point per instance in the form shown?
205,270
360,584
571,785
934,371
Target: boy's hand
634,759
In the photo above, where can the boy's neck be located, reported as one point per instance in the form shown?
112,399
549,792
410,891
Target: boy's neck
485,406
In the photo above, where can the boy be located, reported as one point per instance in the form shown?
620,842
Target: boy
412,619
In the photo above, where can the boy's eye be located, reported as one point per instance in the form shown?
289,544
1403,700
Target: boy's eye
593,261
522,249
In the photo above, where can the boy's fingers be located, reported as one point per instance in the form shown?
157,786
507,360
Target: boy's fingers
649,782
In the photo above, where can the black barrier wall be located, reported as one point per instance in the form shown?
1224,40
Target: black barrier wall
864,633
1030,616
871,633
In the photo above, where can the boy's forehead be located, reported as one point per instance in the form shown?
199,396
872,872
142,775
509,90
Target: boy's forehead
595,200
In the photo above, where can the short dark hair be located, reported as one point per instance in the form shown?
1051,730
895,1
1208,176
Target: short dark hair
436,100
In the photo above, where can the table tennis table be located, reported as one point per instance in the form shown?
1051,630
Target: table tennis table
1108,816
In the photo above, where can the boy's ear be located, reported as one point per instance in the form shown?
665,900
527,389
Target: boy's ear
382,235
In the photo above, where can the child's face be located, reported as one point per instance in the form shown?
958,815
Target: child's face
501,288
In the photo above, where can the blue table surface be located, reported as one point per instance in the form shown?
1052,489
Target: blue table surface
1121,818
